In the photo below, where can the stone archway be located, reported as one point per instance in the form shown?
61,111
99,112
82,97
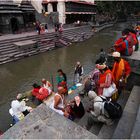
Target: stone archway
14,24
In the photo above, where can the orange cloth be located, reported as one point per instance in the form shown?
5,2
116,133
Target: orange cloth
102,77
120,69
105,80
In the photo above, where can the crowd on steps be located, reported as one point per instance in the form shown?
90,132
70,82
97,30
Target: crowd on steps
102,87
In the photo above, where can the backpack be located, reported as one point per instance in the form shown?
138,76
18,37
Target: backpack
113,109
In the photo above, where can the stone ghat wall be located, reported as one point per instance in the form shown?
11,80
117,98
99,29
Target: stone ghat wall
43,123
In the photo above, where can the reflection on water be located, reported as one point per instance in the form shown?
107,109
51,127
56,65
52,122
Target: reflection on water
19,76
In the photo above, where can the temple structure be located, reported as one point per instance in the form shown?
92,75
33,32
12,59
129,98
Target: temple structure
70,11
12,16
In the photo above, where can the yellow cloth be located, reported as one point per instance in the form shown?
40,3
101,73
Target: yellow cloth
118,70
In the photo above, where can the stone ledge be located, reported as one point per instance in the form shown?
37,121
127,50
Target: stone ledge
135,133
125,125
43,123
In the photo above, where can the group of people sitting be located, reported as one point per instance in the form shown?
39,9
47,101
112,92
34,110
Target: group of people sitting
72,109
127,43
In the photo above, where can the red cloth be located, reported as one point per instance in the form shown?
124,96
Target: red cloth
120,46
64,85
134,38
43,94
127,68
35,91
105,80
102,77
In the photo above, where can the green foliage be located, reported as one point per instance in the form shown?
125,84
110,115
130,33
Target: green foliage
118,8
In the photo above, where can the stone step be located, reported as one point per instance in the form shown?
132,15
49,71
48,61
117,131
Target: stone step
126,123
33,37
38,36
7,47
42,123
19,55
136,129
106,132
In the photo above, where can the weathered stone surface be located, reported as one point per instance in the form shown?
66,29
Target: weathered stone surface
136,130
135,55
106,131
43,123
125,125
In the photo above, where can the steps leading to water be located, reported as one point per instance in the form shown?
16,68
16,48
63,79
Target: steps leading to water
9,52
127,121
43,118
43,123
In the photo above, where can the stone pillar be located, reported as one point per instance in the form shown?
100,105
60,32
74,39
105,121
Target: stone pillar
61,12
50,8
37,4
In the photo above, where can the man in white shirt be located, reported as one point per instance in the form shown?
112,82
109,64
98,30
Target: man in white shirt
19,109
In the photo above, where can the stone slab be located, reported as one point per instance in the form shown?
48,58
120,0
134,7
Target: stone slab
126,123
136,130
24,43
43,123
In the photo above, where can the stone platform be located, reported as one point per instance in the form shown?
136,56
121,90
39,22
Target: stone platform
43,123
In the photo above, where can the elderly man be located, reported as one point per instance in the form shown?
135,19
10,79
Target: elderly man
19,109
97,112
59,103
121,70
46,84
79,71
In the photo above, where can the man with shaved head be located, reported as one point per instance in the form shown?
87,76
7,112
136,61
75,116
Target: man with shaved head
58,104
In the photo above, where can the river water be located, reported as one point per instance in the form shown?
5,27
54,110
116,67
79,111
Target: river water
19,76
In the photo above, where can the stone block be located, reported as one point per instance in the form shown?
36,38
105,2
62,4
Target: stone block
44,123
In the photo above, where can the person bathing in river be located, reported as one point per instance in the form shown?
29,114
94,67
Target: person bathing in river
19,109
121,71
59,102
79,71
62,80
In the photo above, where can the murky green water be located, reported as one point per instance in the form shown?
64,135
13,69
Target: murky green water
19,76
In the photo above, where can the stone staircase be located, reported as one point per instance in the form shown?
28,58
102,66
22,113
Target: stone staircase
126,124
45,42
126,127
42,118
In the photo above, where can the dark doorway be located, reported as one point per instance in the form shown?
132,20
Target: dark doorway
54,5
14,25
